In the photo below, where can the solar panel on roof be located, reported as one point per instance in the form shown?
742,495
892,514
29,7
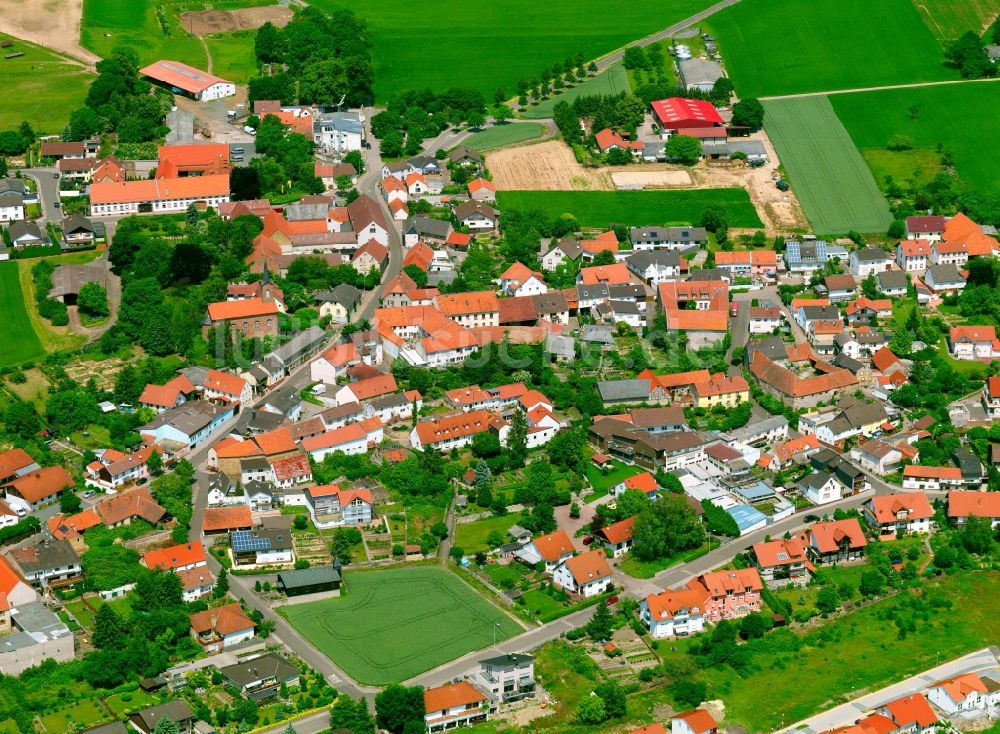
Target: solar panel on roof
247,541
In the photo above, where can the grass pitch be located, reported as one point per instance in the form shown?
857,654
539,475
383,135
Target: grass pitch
635,208
21,343
395,624
961,117
453,43
774,47
828,174
47,86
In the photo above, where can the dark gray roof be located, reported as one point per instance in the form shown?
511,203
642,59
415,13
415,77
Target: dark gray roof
891,279
626,291
551,302
260,539
851,365
692,235
46,555
285,399
587,292
820,313
945,273
78,223
174,710
305,212
773,348
24,228
625,307
510,660
470,207
871,254
346,294
634,389
815,481
439,228
570,247
115,727
391,400
861,413
596,333
309,576
661,258
254,463
968,462
12,185
461,152
300,344
265,666
188,418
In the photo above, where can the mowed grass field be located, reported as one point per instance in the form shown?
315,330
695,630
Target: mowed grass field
827,173
47,86
395,624
134,23
949,19
775,47
635,208
612,81
453,43
498,135
21,343
961,117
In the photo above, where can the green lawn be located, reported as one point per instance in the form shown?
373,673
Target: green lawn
232,56
949,19
46,85
612,81
647,569
134,23
84,713
452,43
827,173
862,650
541,604
918,165
635,208
872,118
395,624
21,343
498,135
123,703
792,46
472,535
602,483
498,574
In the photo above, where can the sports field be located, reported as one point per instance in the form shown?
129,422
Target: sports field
949,19
20,342
612,81
46,85
827,173
636,208
774,47
961,117
454,43
395,624
494,137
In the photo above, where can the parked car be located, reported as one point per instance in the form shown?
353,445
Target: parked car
588,541
612,600
90,493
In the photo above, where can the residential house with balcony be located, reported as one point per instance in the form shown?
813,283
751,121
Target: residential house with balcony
507,678
835,541
553,549
587,574
908,512
331,506
454,705
782,562
221,627
260,678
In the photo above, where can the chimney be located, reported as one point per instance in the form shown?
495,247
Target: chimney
214,619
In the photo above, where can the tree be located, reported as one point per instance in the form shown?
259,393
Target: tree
541,519
604,257
475,118
398,705
221,584
714,218
827,600
684,149
600,625
613,695
92,300
754,626
665,527
155,462
634,58
591,710
191,216
69,502
689,693
869,286
166,725
341,545
748,113
11,143
872,583
976,535
618,157
501,113
901,343
83,123
517,439
110,629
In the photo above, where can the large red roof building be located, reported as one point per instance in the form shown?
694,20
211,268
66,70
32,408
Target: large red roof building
680,113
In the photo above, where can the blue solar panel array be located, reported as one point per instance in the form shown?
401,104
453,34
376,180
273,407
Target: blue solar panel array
247,540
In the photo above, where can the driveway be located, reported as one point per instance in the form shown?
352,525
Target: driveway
48,192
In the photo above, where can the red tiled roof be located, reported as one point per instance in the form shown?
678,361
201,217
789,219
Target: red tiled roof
828,535
615,274
11,461
644,482
248,308
223,620
980,504
589,566
680,112
455,426
452,696
175,556
973,333
932,472
780,552
619,532
274,442
915,506
224,383
698,719
912,709
460,304
176,74
41,483
226,518
553,545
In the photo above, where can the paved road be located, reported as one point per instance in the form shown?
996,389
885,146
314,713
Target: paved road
311,724
879,89
605,61
48,192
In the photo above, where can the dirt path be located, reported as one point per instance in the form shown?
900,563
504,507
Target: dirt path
208,54
54,24
879,89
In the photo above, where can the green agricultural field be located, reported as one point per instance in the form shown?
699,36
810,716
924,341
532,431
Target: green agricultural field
872,118
827,173
46,85
949,19
21,343
232,56
395,624
612,81
776,47
499,135
635,208
136,24
452,43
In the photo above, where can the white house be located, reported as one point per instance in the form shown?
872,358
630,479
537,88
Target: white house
868,260
821,488
351,439
454,705
552,549
673,613
966,692
222,627
910,512
974,342
913,255
587,574
696,721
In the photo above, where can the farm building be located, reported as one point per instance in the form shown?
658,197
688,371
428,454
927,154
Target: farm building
67,280
699,73
184,79
678,114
